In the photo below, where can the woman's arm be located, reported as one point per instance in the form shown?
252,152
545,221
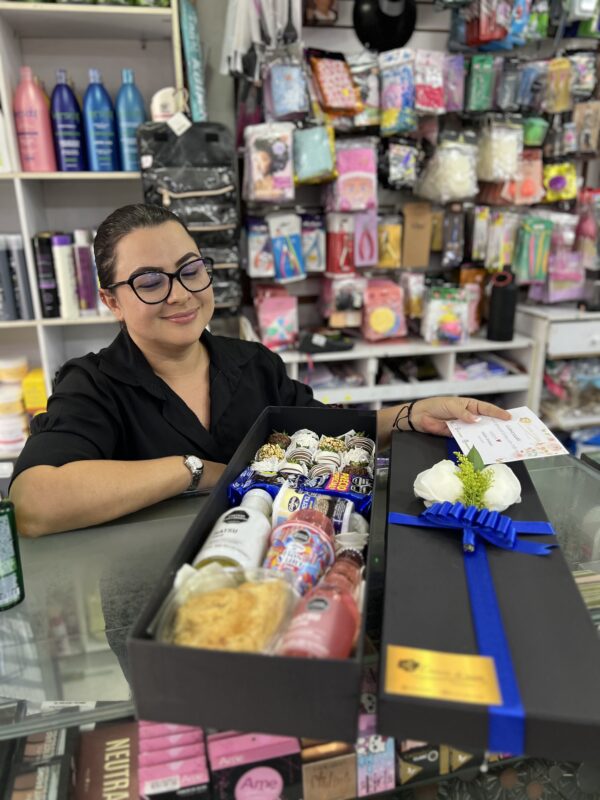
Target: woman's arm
82,493
430,414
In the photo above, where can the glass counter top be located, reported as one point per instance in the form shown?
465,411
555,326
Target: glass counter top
63,654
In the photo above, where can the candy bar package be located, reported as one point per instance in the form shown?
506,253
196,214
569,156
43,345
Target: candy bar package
269,162
397,69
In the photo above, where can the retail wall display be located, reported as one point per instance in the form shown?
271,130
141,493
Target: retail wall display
33,126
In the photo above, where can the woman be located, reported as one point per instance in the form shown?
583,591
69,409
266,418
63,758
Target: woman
162,409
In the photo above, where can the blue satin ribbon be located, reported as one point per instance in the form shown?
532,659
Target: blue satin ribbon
507,721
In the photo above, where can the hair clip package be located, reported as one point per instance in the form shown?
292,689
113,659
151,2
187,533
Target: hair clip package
583,74
429,82
355,188
507,87
389,234
269,163
479,232
453,250
340,244
286,243
260,255
532,85
413,284
530,263
451,173
365,73
445,316
398,113
366,250
481,83
314,154
402,161
383,311
336,89
587,126
454,82
285,91
560,181
277,314
500,151
313,242
558,87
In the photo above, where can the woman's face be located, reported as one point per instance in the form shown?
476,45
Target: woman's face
180,319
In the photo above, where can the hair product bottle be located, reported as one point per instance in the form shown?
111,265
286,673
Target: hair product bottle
99,125
130,115
32,122
64,267
67,126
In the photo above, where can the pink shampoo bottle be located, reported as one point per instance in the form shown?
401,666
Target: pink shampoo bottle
34,129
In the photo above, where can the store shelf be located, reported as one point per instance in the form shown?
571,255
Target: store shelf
77,176
18,323
406,348
414,391
69,21
57,322
572,422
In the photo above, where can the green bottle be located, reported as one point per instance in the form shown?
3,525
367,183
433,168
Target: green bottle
12,589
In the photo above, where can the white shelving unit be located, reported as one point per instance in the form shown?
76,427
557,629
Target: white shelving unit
517,385
47,36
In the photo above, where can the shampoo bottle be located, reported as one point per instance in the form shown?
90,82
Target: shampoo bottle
66,126
99,125
130,115
32,122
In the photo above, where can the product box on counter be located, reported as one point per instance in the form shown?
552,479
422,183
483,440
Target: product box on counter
316,698
428,631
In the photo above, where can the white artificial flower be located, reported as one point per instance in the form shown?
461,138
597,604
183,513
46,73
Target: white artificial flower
439,483
505,490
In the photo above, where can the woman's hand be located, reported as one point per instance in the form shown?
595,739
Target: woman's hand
430,414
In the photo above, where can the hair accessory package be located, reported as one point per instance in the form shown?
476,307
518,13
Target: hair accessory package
340,244
365,73
355,188
429,82
277,314
397,91
314,154
454,82
533,250
451,173
286,93
269,163
383,311
260,256
402,161
366,249
285,230
390,242
336,89
445,316
313,242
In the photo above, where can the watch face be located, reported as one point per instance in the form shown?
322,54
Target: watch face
195,464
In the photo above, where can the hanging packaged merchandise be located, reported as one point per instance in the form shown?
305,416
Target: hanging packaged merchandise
402,160
560,182
534,131
528,188
501,239
314,154
507,87
581,9
586,241
383,311
429,82
340,244
569,139
530,263
313,242
480,226
269,162
342,301
319,13
517,32
457,39
445,315
453,248
473,279
500,151
260,256
558,86
416,240
192,173
194,61
583,75
285,230
437,230
539,18
284,90
566,272
277,314
365,74
355,188
413,285
389,234
532,86
334,84
366,251
454,82
397,91
451,173
488,21
587,125
480,92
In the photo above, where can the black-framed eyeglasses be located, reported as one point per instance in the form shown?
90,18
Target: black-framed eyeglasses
152,285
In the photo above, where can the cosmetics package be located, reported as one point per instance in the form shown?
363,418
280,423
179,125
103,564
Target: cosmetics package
255,765
417,761
167,770
376,758
41,765
107,762
331,778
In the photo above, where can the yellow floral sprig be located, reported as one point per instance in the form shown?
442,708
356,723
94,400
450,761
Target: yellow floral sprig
475,481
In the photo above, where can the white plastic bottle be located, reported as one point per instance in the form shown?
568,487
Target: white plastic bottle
240,536
64,267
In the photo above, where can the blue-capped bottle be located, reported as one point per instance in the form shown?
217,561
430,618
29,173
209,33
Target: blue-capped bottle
67,126
130,115
99,125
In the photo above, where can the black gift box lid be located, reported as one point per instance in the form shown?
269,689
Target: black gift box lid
554,646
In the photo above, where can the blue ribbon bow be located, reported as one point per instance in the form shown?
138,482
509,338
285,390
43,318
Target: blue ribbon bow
507,721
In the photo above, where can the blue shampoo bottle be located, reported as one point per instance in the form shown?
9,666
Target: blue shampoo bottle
99,124
130,115
67,128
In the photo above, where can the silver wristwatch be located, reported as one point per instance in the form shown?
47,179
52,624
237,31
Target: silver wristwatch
196,468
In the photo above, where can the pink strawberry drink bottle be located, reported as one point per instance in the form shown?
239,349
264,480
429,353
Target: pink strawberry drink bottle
303,544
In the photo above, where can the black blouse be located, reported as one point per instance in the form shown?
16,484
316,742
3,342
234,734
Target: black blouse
111,405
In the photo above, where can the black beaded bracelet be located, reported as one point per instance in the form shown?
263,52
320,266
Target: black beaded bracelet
399,416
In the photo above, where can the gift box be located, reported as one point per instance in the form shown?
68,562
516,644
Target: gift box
317,698
538,694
